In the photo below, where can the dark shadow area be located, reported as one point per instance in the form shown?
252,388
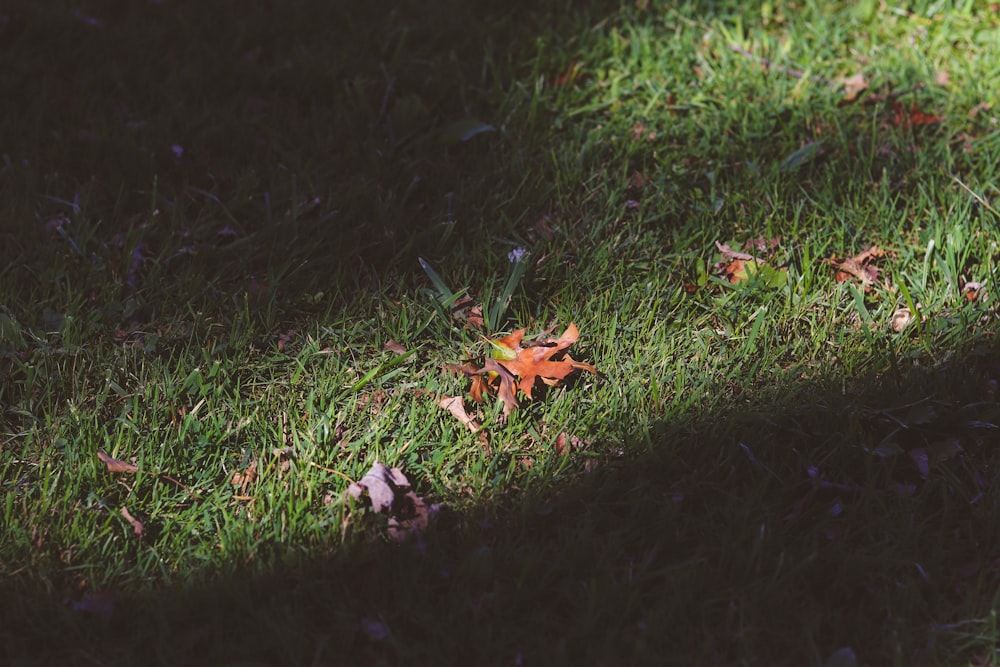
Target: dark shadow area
610,568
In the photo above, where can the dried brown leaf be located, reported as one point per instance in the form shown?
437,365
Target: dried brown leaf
136,524
853,86
114,465
729,254
456,406
860,266
901,319
394,347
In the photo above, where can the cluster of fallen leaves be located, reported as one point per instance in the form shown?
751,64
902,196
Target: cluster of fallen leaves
756,259
127,468
737,266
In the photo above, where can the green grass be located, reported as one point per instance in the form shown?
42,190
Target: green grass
210,219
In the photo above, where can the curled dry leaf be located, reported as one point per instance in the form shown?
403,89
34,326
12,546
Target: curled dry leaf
284,455
380,484
389,492
853,86
136,524
901,319
114,465
394,347
972,291
245,478
456,406
861,266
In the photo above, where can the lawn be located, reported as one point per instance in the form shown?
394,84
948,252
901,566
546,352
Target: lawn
248,250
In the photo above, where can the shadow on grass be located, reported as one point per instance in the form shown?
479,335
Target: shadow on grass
770,534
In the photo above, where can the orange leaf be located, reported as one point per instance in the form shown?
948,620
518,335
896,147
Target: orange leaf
913,116
536,362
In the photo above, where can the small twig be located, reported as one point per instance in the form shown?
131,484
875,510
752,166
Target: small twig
184,488
985,204
331,470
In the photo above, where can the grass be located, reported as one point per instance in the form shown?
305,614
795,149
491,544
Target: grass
210,219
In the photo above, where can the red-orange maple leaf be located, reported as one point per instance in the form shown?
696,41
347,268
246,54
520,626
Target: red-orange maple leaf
512,367
536,361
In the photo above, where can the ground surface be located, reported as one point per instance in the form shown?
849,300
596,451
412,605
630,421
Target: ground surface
774,224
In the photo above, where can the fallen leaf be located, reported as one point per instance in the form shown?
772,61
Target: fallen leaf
246,478
284,338
411,516
860,266
114,465
284,456
901,319
394,347
972,291
390,493
912,117
532,363
380,484
729,254
853,86
136,524
456,406
505,389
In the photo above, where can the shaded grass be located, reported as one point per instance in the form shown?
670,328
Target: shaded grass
746,488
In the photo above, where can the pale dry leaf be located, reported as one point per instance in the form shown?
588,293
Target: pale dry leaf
456,406
114,465
380,484
136,524
901,319
729,254
853,86
394,347
284,456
